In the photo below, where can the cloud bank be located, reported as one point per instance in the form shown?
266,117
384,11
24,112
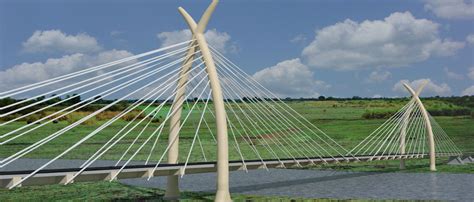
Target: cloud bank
398,40
290,78
57,41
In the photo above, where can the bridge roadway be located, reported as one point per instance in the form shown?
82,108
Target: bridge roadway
60,176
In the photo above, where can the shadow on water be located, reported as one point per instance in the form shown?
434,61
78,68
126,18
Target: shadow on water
334,175
288,183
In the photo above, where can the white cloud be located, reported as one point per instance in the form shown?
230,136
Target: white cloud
109,56
116,33
27,73
218,40
377,76
470,39
290,78
468,91
470,73
377,96
451,9
57,41
300,38
453,75
398,40
431,88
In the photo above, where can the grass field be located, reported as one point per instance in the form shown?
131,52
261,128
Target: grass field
114,191
341,120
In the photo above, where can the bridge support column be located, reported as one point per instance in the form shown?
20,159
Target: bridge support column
222,193
172,187
403,133
429,130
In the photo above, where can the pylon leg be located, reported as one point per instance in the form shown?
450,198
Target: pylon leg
402,164
429,130
172,188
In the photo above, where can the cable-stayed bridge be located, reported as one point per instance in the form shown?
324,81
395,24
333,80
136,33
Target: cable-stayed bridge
189,110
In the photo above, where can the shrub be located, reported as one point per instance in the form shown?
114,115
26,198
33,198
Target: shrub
156,120
106,115
89,122
32,118
131,115
118,107
9,117
91,107
76,116
62,118
450,112
377,114
434,112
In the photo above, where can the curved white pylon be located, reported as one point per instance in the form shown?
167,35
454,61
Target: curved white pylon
197,30
406,119
429,129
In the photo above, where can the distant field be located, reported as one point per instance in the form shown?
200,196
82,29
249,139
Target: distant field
341,120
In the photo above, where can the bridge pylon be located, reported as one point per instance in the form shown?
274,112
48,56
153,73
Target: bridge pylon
197,29
429,129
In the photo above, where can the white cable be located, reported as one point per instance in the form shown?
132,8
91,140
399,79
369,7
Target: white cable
169,145
156,109
275,125
81,72
87,91
87,83
163,90
84,139
97,155
260,119
87,117
374,141
285,123
365,142
291,109
395,133
138,136
251,123
109,92
239,86
169,84
195,135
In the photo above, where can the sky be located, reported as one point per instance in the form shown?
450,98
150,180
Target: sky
297,48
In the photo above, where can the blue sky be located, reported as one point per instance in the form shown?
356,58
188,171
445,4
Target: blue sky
296,48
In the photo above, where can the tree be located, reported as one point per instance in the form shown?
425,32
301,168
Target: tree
76,99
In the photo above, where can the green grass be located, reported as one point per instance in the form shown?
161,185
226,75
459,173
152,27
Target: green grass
412,166
114,191
341,120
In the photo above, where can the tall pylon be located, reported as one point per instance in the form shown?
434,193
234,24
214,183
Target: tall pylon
197,30
406,119
429,129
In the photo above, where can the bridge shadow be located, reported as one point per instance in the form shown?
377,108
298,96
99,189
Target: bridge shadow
288,183
334,175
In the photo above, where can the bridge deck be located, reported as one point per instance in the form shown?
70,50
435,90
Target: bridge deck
60,176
